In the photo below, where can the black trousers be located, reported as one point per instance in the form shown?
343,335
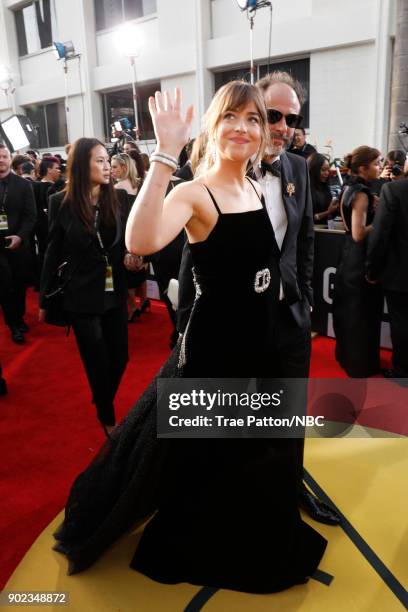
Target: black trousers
291,359
398,312
16,266
103,345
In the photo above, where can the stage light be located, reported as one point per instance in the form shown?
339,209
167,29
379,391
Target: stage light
128,40
17,131
245,5
64,51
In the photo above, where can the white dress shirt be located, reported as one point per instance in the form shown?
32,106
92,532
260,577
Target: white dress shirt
272,190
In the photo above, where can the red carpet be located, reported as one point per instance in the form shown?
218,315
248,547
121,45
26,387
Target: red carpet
48,428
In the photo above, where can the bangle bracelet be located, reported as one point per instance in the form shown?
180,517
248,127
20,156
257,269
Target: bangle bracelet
163,160
167,156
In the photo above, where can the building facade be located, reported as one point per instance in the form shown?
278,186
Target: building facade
342,52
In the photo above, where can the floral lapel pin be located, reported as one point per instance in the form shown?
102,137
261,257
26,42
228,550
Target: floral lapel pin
290,189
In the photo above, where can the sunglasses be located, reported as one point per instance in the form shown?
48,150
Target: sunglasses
292,120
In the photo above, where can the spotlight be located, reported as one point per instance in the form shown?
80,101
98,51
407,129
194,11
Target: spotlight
252,5
245,5
64,51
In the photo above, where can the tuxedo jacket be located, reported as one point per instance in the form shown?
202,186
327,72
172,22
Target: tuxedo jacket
387,252
296,256
69,240
20,208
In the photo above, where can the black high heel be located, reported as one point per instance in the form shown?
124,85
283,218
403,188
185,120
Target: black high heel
145,305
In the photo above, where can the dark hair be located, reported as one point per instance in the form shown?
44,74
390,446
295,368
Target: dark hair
146,161
397,156
361,156
132,144
18,160
301,130
78,187
315,163
27,167
46,164
279,76
138,159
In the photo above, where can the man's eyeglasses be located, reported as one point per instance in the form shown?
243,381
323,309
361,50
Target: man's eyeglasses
292,120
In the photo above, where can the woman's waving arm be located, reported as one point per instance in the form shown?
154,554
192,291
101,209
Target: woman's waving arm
153,221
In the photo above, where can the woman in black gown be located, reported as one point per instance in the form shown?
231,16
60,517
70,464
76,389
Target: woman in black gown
324,205
357,304
226,511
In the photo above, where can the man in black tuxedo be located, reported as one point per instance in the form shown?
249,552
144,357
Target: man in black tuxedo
284,180
17,220
387,258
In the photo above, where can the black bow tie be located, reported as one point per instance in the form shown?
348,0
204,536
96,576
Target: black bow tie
274,168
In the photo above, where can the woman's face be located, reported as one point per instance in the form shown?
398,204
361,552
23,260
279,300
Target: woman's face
324,171
99,166
117,170
238,134
374,169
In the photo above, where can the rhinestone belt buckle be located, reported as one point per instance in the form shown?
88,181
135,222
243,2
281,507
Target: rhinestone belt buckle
262,280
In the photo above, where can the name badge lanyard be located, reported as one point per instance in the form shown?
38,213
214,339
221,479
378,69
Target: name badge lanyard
109,274
3,214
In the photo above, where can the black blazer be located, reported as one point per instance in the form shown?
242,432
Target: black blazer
387,252
20,207
296,259
68,240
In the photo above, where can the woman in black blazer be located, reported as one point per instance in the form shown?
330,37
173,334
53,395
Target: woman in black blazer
86,229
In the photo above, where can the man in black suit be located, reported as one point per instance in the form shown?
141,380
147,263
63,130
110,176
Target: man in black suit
387,258
284,180
300,146
17,220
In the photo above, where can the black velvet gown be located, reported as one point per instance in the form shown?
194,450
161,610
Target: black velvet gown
225,511
357,304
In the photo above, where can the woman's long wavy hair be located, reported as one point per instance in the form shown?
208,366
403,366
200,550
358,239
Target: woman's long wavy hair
127,163
79,187
233,96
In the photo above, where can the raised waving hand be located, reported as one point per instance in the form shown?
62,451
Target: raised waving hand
172,131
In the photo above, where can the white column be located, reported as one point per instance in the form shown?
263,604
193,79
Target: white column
204,77
383,74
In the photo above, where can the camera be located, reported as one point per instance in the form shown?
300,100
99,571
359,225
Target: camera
396,170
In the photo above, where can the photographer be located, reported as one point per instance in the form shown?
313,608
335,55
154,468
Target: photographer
392,170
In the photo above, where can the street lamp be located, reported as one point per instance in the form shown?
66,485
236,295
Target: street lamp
129,42
65,51
6,84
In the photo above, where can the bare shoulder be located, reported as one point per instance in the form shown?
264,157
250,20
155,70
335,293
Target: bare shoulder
190,191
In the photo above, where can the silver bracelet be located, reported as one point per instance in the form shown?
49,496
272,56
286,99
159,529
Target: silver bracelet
156,157
166,155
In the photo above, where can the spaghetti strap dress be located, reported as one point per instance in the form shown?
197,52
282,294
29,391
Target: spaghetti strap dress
357,304
221,512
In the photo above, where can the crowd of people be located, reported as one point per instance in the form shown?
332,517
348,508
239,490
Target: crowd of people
234,223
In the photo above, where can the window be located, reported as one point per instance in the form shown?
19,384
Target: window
299,69
49,123
118,106
35,25
110,13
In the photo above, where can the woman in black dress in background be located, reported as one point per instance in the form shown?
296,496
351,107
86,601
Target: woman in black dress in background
357,304
324,205
226,511
129,176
